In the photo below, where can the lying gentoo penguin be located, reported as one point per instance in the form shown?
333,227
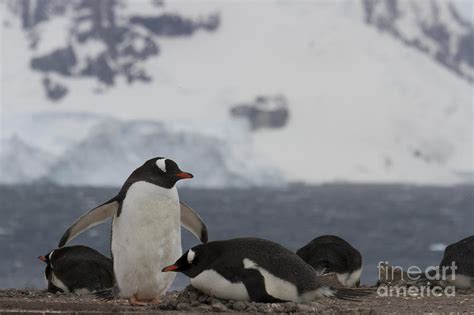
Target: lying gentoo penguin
146,231
329,253
252,269
461,254
78,269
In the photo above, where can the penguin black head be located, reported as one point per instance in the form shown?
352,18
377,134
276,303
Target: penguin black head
159,171
46,258
192,262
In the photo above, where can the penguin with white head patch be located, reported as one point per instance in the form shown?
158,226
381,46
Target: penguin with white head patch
252,269
78,269
146,231
329,253
460,255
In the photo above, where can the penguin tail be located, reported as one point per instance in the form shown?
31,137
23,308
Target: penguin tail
108,294
353,294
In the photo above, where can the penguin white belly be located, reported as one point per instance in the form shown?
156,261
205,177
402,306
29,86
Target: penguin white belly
277,287
212,283
145,238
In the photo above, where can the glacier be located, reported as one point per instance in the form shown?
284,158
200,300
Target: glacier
99,150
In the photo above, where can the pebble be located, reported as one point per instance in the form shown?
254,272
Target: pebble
251,309
304,308
204,308
183,306
192,300
218,306
239,306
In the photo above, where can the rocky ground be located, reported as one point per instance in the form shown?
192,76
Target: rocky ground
190,300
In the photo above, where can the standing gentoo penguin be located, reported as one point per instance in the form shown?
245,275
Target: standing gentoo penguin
252,269
329,253
145,229
78,269
461,254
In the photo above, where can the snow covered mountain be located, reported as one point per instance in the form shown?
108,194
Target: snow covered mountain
362,104
95,39
435,28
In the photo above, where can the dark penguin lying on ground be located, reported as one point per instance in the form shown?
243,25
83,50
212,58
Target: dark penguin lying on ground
461,254
252,269
78,269
329,253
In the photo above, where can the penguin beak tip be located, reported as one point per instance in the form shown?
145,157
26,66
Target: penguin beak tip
42,258
184,175
170,268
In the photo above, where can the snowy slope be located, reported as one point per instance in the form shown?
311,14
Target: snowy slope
363,106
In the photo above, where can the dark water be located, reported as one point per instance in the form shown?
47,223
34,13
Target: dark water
385,222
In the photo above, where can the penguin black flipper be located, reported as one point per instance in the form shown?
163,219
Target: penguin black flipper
255,285
193,222
90,219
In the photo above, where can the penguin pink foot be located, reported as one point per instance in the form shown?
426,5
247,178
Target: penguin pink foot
155,301
137,302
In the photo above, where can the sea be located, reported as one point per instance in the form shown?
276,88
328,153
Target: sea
404,225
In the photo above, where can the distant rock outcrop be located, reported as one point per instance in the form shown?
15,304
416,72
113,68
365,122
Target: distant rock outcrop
173,25
103,40
264,112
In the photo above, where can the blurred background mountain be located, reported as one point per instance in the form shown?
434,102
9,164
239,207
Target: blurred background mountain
241,93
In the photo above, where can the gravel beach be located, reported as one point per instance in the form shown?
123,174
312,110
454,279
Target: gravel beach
191,301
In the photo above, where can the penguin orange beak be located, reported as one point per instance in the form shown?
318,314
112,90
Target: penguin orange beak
184,175
42,258
170,268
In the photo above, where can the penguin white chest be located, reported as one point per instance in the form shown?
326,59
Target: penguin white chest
212,283
146,237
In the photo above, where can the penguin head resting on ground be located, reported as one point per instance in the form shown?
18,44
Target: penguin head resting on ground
191,263
77,269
